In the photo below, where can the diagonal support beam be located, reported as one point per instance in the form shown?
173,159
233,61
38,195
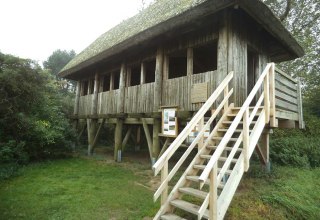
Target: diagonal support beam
148,136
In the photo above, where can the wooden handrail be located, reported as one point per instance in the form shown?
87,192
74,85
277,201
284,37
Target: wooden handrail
191,147
214,159
194,121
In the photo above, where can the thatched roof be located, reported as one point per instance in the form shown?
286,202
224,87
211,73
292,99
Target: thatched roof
165,15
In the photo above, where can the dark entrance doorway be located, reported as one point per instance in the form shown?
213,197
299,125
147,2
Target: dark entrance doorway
252,70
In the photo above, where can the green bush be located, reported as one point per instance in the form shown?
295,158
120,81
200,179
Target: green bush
297,147
33,112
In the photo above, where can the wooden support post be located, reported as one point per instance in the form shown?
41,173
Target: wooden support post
128,77
143,73
300,111
164,175
246,139
165,67
213,197
158,79
155,137
118,140
96,138
164,147
272,87
267,98
126,138
92,128
222,59
264,147
122,88
138,139
111,81
190,61
95,95
148,137
77,98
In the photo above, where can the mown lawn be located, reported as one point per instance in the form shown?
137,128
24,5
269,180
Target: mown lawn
76,189
81,188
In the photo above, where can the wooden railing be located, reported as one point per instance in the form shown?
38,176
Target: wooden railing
162,163
85,105
182,88
288,97
266,101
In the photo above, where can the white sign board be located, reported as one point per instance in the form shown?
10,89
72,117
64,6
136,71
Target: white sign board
169,122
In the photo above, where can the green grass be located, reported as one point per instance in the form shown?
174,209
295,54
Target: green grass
76,189
285,193
81,188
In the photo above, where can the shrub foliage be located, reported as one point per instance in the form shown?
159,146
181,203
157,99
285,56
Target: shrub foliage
33,123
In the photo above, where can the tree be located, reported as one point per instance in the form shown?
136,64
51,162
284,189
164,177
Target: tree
302,19
33,120
55,62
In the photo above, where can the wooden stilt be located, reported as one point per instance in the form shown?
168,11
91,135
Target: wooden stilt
148,137
92,128
118,139
264,149
164,147
126,138
138,139
155,137
96,138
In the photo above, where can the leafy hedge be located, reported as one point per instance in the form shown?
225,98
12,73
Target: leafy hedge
296,147
33,122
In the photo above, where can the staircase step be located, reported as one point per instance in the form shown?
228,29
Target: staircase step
250,108
207,182
208,156
236,131
220,138
193,192
225,158
226,148
189,207
241,122
171,217
181,145
201,167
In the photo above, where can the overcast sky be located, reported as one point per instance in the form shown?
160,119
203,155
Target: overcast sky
35,28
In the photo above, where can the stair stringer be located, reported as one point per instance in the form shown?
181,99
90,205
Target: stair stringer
175,194
234,179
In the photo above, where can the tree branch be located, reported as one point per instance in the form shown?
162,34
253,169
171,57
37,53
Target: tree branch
286,12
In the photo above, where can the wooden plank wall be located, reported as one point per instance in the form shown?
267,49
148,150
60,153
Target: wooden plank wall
177,91
139,99
108,102
85,104
287,104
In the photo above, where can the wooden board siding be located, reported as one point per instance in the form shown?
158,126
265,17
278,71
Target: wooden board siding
287,102
85,105
177,91
108,102
139,99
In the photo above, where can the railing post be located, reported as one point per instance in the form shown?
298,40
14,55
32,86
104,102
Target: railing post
273,122
300,112
246,139
164,175
225,94
213,208
201,141
266,98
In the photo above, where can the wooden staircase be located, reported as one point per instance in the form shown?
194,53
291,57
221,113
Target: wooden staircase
207,185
